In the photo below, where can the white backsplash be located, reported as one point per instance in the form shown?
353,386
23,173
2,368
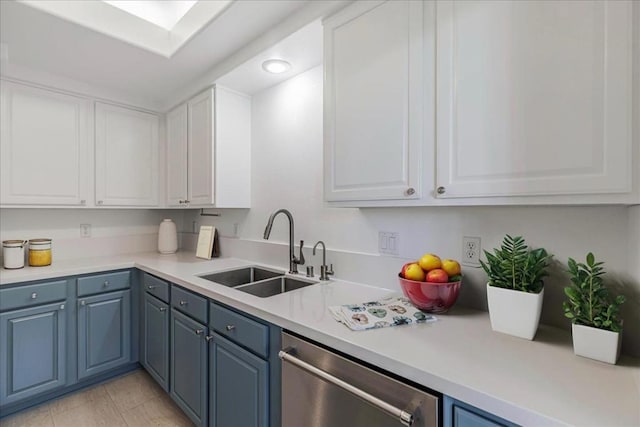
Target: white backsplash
113,231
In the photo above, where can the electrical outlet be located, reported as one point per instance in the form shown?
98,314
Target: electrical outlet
85,230
471,251
388,242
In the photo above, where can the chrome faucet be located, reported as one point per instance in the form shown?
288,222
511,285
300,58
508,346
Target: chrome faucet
325,271
293,261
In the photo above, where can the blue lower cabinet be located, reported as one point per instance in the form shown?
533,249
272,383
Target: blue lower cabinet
32,351
104,332
155,340
188,385
460,414
239,386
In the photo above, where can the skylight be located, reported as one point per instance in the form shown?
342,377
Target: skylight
159,26
163,13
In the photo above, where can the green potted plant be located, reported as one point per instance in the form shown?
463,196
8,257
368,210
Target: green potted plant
596,325
515,289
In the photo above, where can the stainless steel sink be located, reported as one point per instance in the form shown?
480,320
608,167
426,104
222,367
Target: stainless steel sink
242,276
271,287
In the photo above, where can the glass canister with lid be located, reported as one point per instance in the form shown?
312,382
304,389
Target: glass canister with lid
13,254
39,252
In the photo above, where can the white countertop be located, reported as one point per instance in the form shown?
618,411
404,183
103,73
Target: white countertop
537,383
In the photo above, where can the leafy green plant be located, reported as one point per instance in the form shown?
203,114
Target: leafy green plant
515,266
589,301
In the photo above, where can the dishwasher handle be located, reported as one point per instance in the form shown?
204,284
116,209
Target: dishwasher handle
405,417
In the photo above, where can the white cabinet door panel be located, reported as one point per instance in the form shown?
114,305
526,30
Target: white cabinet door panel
127,148
534,97
201,149
374,101
177,156
44,147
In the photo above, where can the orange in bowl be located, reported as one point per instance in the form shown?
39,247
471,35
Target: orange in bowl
430,296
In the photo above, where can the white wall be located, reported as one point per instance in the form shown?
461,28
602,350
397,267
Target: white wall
113,231
287,173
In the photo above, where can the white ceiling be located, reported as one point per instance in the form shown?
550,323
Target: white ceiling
302,49
43,42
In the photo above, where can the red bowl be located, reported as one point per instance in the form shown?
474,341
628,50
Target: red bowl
430,296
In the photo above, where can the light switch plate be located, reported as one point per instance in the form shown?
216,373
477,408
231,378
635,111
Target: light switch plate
388,243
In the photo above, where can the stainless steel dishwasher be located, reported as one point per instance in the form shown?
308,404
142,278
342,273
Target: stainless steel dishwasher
323,389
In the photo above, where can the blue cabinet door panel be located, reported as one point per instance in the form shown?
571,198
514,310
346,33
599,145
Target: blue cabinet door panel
460,414
239,394
156,340
32,351
188,385
104,332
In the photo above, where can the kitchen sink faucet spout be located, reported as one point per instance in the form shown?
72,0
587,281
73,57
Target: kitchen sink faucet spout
293,261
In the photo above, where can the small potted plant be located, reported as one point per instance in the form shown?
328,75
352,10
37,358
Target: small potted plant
516,287
596,325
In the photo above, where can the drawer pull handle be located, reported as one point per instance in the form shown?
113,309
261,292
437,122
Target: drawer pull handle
184,302
230,327
106,283
34,295
151,287
83,302
199,331
61,306
162,309
208,338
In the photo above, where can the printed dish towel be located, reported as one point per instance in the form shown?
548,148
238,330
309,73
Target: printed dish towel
391,311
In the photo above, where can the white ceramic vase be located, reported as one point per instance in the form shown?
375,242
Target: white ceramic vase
167,237
594,343
514,312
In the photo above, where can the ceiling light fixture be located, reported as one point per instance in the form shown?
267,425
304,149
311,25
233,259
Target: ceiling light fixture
276,66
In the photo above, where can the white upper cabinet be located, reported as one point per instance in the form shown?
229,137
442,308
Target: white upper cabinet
534,98
44,142
374,102
127,148
201,153
177,156
209,161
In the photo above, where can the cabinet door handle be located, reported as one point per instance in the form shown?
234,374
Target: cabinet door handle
83,302
34,295
106,283
162,309
82,202
61,306
199,331
151,287
410,191
99,202
184,302
208,338
441,190
230,327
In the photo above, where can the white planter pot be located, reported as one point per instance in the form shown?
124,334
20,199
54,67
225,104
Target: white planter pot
595,343
514,312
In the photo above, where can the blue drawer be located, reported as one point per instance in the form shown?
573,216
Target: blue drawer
27,295
156,287
240,329
190,304
103,283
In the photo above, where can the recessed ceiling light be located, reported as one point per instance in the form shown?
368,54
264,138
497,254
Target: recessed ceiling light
276,66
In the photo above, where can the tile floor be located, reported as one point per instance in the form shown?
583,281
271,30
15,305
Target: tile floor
133,400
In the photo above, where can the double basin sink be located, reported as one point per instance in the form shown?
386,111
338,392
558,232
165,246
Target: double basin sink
257,281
